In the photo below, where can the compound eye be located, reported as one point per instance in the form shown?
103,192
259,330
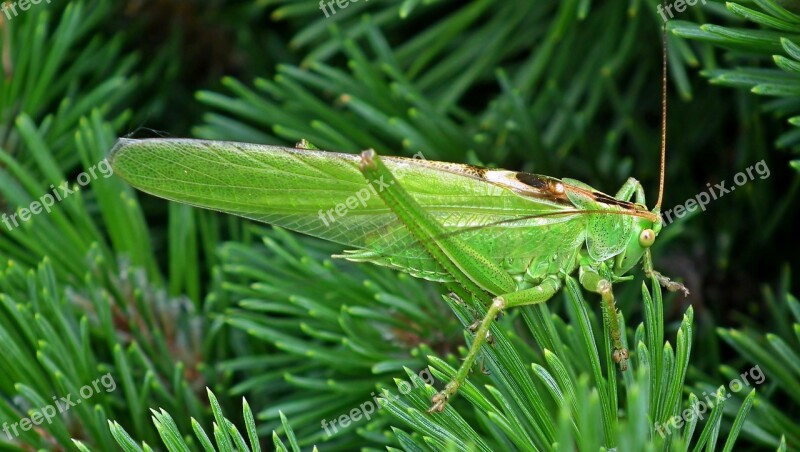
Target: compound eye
647,238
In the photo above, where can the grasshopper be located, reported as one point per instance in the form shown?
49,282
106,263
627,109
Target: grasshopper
507,238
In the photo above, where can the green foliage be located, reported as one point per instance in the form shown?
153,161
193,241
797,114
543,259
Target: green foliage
329,333
226,434
778,41
171,300
82,293
776,353
53,76
516,409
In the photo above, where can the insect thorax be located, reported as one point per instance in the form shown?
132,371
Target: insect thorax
530,272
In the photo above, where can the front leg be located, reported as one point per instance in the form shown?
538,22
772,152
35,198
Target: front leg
629,189
664,281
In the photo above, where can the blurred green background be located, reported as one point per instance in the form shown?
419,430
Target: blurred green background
172,300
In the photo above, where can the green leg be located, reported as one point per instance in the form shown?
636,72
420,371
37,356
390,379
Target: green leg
439,400
533,295
664,281
480,277
630,188
593,282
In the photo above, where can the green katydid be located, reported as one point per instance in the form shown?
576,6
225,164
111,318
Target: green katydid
502,235
507,238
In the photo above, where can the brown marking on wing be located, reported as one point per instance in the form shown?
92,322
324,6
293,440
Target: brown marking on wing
533,180
602,197
525,184
546,186
606,199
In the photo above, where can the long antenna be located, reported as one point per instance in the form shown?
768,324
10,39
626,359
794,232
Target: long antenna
663,109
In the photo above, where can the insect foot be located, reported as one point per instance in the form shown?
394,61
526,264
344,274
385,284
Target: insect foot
490,339
367,160
620,357
439,400
669,284
305,144
484,369
454,296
